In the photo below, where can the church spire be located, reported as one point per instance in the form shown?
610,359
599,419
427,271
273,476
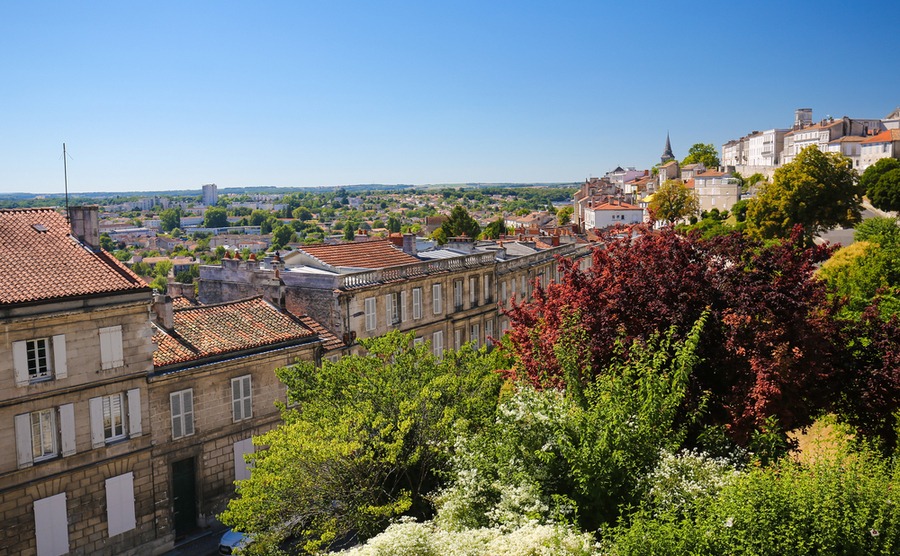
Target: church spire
667,152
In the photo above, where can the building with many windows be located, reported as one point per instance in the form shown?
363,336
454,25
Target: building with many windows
449,296
77,477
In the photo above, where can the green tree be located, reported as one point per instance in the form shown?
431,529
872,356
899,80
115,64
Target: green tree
816,191
702,153
281,236
460,223
107,242
257,217
368,439
673,201
393,224
884,193
302,214
350,229
564,215
162,268
215,217
170,219
495,229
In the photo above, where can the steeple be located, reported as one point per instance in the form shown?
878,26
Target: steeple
667,152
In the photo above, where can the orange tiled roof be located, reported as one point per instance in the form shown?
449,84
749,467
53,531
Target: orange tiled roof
330,340
43,262
616,206
379,253
885,136
208,330
710,174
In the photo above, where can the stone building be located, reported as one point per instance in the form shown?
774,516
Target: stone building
77,476
212,389
448,296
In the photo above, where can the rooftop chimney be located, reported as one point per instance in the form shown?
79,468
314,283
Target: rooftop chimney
85,225
163,312
409,244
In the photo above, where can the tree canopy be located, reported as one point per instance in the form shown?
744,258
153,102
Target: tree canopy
495,229
816,191
704,153
367,439
881,184
215,217
673,201
460,223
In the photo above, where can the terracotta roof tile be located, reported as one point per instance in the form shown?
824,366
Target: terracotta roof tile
885,136
379,253
330,340
43,262
207,330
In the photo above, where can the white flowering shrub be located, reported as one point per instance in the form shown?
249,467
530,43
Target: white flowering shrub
679,480
408,538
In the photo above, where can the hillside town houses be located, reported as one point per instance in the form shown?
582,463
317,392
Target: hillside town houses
129,413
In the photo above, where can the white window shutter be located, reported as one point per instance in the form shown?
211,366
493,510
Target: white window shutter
51,525
67,428
97,437
241,467
134,412
403,306
23,439
60,368
389,317
120,504
111,347
20,363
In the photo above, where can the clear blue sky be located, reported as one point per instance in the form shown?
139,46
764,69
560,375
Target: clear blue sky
171,95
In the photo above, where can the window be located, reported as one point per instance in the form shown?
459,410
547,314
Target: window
120,504
476,335
51,525
437,299
45,434
241,467
457,339
115,417
437,343
392,307
417,303
488,331
182,404
241,400
473,291
503,292
111,348
418,341
487,288
371,319
39,359
404,316
458,294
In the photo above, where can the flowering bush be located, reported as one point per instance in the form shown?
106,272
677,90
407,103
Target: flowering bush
408,538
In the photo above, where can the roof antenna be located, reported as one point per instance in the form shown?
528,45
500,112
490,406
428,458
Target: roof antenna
66,178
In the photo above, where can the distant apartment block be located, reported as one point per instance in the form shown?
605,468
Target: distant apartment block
210,194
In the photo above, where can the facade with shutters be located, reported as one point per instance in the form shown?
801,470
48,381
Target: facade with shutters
77,475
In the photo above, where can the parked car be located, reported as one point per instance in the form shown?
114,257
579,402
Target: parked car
232,540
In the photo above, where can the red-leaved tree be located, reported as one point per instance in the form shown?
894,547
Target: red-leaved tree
770,347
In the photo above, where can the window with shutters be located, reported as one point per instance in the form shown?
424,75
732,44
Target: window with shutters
120,516
182,405
111,355
371,317
473,291
489,331
241,467
113,417
457,339
39,359
503,296
417,303
392,307
458,295
437,299
43,435
51,525
437,343
476,336
488,294
241,399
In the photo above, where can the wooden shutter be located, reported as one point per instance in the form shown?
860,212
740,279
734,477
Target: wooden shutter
120,504
134,413
60,366
51,525
67,428
98,438
20,363
23,440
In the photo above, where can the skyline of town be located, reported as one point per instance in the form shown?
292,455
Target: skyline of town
170,96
